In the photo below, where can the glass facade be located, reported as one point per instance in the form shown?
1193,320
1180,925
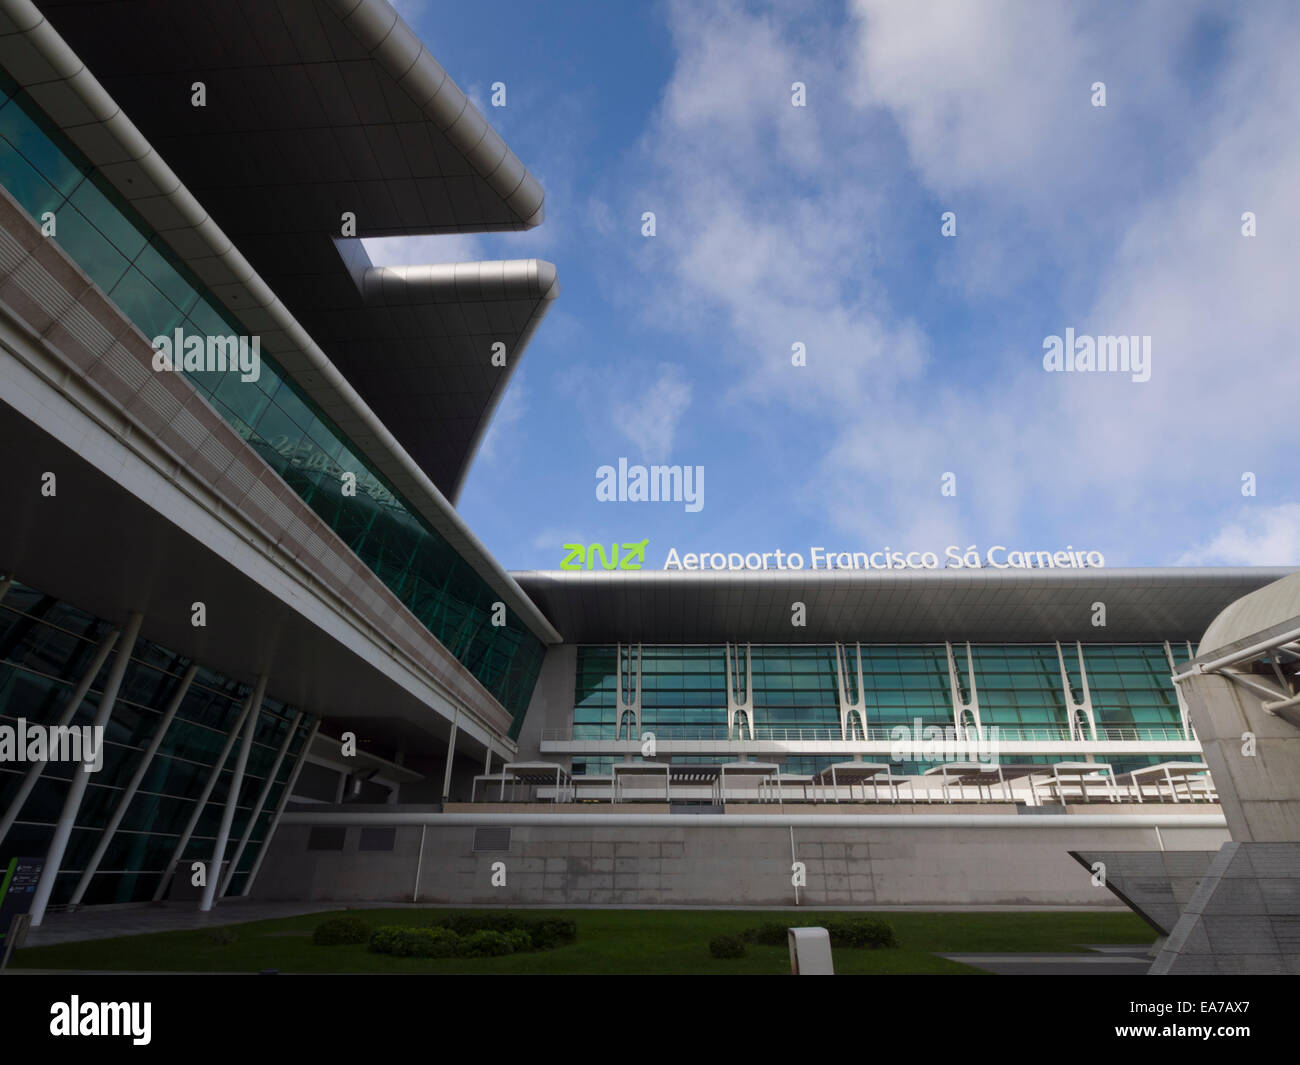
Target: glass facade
682,689
46,645
796,693
133,265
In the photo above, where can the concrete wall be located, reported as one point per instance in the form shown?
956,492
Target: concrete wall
1243,917
551,706
697,862
1259,788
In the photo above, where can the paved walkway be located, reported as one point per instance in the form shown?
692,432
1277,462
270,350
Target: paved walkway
1107,960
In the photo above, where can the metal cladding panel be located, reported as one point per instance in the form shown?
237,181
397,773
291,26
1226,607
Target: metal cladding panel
1026,606
316,108
35,53
1272,609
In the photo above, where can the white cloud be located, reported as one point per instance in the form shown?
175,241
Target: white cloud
650,416
422,251
771,224
1268,536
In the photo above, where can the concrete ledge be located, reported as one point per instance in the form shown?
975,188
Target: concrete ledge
640,818
496,810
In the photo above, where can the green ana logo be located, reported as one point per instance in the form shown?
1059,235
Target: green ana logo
632,556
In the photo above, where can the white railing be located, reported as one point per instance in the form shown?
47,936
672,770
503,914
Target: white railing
882,733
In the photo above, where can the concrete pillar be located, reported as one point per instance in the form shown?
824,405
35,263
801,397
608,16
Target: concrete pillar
236,782
451,756
202,802
80,778
70,709
261,801
290,784
106,837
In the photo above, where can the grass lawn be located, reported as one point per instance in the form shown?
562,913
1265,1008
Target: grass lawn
609,941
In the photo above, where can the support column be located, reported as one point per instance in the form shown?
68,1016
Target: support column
80,778
289,785
849,707
1072,708
257,806
419,864
451,756
232,797
630,707
70,709
1184,720
961,707
738,704
146,760
202,803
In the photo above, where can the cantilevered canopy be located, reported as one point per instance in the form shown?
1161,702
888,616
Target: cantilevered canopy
1013,606
316,112
1255,643
1258,615
1190,776
529,774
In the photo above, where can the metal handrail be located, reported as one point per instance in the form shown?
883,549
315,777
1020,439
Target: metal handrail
885,733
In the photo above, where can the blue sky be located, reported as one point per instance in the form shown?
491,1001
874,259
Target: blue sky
822,225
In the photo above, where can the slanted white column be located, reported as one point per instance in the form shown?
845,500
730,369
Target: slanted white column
232,797
1184,720
70,709
451,756
257,806
146,760
80,778
738,703
849,707
289,785
1073,708
202,802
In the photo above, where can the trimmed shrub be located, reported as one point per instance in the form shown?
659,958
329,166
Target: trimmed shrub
466,924
844,932
339,930
549,932
727,947
221,937
544,932
861,932
768,934
485,944
446,940
415,942
385,940
430,943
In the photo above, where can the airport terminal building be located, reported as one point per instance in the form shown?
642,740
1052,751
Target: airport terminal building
233,448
